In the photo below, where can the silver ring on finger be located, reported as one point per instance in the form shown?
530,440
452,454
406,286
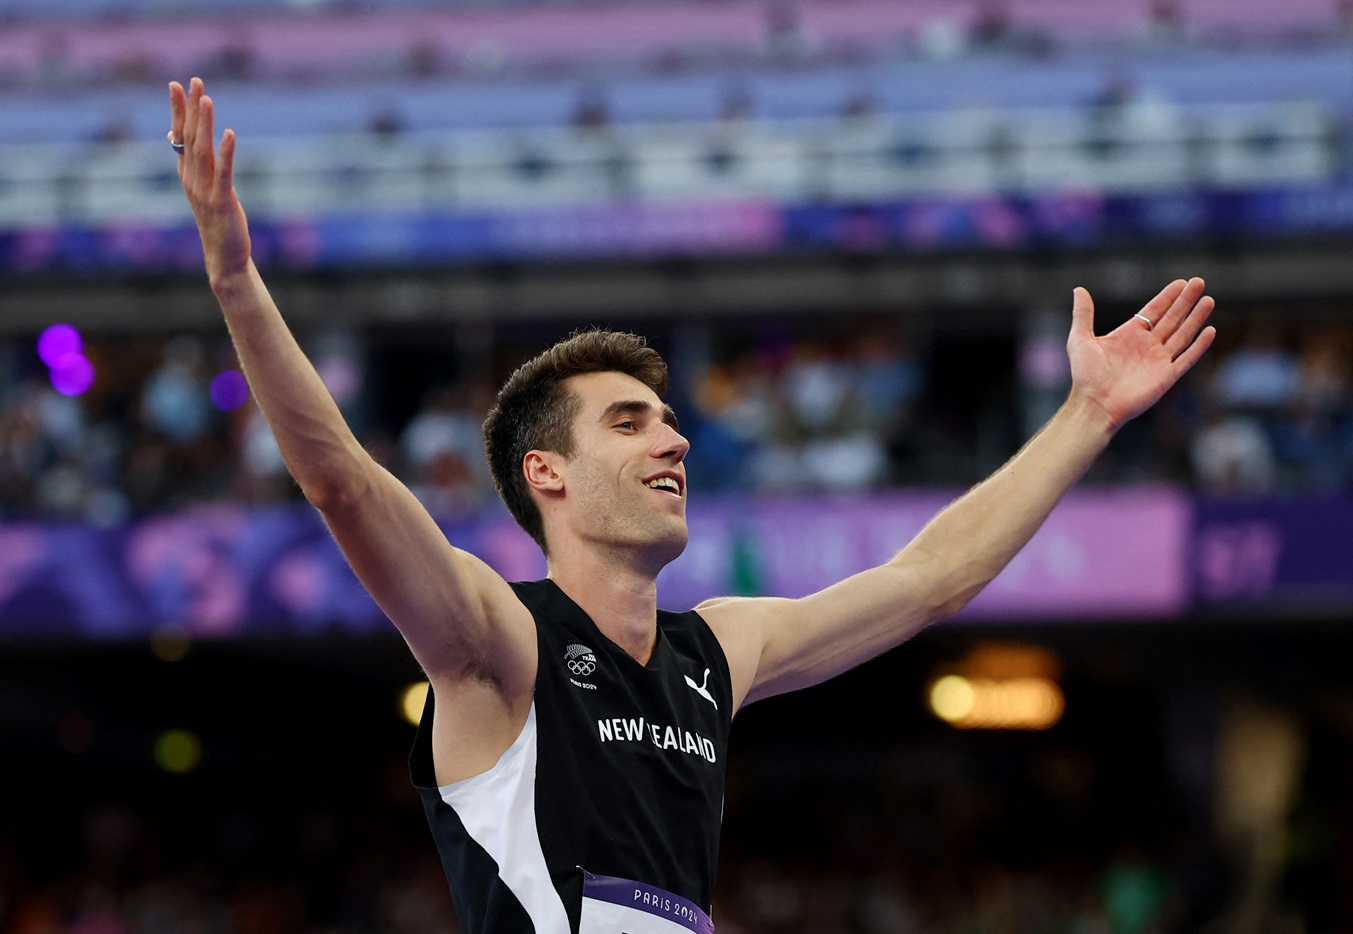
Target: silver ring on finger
1149,323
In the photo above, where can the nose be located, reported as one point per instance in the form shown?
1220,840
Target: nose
670,443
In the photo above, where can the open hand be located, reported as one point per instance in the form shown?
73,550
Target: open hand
208,180
1126,371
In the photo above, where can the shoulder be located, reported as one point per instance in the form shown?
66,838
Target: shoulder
742,625
732,612
545,601
690,632
533,594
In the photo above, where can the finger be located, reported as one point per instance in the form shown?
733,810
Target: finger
205,138
1082,313
178,105
1194,352
1179,309
201,166
1156,309
190,112
225,167
1183,335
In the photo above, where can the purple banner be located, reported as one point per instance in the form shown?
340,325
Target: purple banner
714,228
687,228
210,572
227,570
684,229
1272,555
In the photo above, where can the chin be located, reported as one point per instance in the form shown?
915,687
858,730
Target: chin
673,543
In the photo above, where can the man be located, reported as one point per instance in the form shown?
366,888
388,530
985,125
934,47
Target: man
572,765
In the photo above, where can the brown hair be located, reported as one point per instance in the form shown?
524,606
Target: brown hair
535,411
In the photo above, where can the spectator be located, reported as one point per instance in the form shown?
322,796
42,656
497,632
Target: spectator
443,451
592,114
786,42
1163,27
175,403
1232,455
1260,376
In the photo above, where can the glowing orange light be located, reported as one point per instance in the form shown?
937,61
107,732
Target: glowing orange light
992,704
411,701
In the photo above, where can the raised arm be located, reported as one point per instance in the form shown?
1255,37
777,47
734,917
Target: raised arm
459,617
778,645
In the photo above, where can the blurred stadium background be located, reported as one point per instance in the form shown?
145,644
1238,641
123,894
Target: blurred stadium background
853,227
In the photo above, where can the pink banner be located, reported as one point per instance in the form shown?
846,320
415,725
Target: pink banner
1100,554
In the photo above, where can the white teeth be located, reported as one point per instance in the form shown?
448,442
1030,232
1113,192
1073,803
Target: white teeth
664,483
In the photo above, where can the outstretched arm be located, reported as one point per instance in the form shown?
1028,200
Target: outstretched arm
459,618
777,645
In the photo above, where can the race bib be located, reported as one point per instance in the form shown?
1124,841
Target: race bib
619,906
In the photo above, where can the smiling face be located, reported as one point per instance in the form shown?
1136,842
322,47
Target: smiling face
624,487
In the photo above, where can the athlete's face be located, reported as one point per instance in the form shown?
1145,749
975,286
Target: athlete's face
626,484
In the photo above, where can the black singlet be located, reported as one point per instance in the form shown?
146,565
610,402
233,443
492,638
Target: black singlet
619,772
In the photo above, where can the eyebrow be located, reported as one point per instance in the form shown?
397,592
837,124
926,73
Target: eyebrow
638,407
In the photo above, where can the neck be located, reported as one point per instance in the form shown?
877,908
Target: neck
622,600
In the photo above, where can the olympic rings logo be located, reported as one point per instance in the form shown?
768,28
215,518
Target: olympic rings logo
581,666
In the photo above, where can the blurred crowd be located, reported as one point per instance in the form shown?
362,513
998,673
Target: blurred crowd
243,874
779,34
872,406
59,62
1277,415
1131,894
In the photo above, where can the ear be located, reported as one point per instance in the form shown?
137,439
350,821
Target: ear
542,471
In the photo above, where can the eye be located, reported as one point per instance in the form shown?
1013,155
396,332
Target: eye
627,424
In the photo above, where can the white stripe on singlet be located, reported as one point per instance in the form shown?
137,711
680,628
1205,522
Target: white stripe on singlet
498,809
